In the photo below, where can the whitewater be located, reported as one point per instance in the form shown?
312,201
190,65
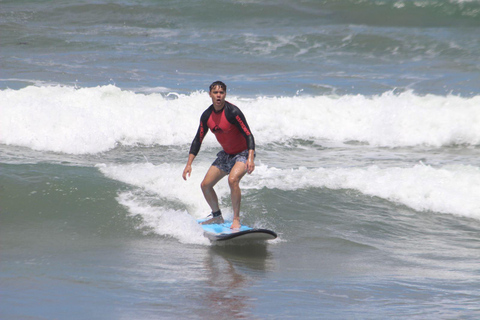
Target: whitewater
96,120
92,120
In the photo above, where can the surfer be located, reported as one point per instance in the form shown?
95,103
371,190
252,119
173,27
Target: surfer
230,127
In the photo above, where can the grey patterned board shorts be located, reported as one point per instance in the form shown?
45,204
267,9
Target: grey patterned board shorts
225,161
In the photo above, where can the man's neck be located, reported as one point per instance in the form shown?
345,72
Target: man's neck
219,108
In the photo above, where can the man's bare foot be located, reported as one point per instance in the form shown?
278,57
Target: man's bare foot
214,220
235,224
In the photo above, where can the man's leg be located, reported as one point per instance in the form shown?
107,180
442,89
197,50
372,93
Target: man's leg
213,175
237,173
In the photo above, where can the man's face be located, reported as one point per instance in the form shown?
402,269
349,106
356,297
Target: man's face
218,97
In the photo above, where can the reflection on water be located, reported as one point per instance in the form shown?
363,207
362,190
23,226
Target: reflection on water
232,271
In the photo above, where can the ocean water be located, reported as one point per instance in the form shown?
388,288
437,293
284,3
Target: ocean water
366,116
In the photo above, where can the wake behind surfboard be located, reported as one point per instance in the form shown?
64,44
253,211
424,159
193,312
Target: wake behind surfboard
222,232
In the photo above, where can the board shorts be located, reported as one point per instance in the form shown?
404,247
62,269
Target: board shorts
225,161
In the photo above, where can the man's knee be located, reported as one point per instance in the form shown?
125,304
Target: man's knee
204,185
233,181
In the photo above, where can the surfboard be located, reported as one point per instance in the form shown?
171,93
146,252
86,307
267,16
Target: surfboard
222,232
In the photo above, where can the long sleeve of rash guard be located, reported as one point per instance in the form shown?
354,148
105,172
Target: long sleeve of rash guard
201,132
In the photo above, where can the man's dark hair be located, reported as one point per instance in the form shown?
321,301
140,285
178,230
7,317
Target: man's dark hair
218,84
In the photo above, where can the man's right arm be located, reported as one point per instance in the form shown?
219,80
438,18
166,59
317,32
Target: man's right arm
196,143
188,168
201,132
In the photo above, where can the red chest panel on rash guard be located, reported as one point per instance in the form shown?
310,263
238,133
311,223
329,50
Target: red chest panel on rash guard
228,135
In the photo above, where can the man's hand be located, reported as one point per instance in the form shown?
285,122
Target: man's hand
187,171
250,166
250,163
188,168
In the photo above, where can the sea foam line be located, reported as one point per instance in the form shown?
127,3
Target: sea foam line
93,120
449,189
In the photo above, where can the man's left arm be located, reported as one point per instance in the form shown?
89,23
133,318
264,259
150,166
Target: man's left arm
241,123
250,161
236,117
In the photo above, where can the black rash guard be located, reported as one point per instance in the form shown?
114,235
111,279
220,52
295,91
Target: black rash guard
230,128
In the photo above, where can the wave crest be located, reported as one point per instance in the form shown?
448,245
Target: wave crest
93,120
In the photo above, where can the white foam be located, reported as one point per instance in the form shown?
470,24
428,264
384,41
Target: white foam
450,189
386,120
163,221
165,182
92,120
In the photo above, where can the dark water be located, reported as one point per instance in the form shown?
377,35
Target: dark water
261,47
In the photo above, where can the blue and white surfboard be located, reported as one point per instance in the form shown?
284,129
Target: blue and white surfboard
222,232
